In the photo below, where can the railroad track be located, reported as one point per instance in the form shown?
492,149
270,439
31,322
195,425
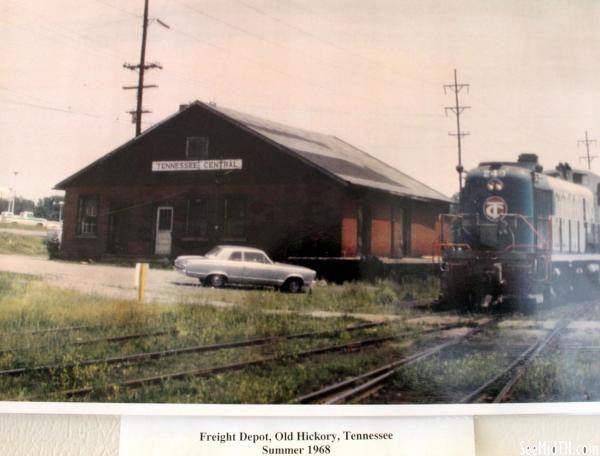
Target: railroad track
366,384
205,372
48,330
144,356
110,339
493,390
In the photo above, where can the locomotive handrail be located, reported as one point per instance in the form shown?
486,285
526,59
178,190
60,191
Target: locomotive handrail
538,235
519,246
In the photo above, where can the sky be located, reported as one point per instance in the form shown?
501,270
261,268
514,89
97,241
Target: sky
371,73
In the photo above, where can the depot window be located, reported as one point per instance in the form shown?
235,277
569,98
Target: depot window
88,216
197,217
196,148
234,222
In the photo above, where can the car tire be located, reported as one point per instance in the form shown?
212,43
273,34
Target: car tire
216,281
294,286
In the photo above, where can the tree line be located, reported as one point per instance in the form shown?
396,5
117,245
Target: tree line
47,207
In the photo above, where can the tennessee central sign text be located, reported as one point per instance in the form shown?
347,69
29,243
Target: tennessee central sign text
197,165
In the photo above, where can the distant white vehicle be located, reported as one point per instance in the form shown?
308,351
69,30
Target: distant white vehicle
24,218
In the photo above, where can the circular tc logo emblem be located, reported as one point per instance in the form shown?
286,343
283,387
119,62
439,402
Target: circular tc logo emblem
495,208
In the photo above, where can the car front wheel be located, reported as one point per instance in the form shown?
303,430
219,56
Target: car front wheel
216,281
293,286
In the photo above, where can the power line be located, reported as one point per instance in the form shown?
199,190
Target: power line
47,108
262,65
587,143
457,109
327,42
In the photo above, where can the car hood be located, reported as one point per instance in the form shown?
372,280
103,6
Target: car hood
294,266
184,258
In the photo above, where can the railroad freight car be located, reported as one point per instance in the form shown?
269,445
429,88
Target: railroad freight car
521,236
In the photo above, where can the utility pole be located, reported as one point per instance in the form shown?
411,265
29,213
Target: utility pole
457,109
141,68
587,143
14,196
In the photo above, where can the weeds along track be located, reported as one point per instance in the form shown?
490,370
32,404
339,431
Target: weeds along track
97,340
48,330
498,388
144,356
348,347
366,384
351,346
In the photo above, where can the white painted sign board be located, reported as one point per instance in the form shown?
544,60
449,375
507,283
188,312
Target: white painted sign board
196,165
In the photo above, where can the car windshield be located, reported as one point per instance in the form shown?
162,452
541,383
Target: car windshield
215,251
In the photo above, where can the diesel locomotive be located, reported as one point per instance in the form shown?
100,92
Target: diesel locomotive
521,236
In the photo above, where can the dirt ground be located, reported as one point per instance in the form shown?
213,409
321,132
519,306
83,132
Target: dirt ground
104,280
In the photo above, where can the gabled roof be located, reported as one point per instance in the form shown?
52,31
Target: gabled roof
327,153
336,157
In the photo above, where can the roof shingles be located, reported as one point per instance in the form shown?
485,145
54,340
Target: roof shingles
337,157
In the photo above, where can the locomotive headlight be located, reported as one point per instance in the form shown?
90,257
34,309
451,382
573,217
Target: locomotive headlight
495,184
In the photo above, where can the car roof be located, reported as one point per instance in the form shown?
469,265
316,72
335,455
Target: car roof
240,247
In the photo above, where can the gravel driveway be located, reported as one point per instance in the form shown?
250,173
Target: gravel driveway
101,279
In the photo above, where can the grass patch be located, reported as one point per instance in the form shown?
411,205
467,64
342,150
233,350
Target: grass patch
27,304
22,227
383,297
443,378
22,245
563,376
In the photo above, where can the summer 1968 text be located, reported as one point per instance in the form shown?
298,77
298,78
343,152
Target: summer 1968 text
295,442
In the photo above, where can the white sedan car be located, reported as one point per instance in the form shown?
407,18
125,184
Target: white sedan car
246,266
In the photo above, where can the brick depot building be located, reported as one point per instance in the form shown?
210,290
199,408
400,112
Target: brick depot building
209,175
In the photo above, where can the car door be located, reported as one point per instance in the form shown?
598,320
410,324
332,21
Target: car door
258,269
235,267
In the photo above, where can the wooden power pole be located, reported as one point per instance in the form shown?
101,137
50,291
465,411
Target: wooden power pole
141,68
457,109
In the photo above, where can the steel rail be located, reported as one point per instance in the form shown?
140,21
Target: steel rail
109,339
140,357
350,346
521,362
48,330
381,374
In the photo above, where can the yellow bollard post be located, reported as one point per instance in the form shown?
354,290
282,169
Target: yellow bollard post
141,270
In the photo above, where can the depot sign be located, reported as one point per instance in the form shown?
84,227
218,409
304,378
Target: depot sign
197,165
